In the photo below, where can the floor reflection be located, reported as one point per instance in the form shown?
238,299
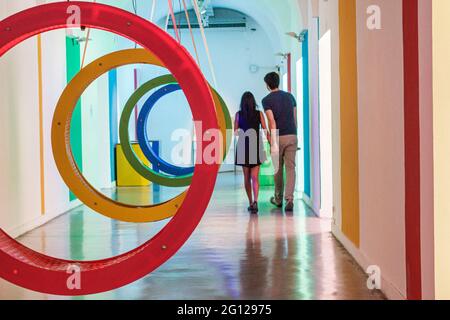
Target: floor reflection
285,266
254,265
231,255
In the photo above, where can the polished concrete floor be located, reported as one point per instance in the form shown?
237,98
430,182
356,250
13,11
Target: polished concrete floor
231,255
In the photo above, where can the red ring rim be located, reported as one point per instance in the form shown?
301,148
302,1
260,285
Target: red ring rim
105,275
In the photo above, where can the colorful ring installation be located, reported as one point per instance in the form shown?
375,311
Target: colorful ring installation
135,162
29,269
143,139
228,122
148,173
70,172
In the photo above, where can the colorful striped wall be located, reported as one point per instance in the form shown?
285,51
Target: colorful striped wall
419,74
386,169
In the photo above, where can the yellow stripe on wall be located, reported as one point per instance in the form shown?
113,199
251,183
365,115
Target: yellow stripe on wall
349,121
441,118
41,124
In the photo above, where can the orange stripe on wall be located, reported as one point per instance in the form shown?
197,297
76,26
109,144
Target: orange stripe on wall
349,121
41,124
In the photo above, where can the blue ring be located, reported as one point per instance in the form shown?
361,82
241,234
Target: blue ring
142,135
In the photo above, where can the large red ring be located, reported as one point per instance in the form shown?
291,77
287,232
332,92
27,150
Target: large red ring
29,269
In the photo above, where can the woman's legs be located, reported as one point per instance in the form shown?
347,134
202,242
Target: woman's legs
255,182
248,184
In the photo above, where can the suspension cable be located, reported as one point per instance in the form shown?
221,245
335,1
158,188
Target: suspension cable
152,13
174,21
88,34
191,31
202,30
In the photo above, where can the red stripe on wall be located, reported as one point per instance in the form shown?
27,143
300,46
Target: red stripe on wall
412,149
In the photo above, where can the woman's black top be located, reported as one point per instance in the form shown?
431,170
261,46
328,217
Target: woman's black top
250,148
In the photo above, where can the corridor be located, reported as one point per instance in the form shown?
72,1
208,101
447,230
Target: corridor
230,256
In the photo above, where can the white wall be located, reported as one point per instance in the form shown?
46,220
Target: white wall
329,22
20,194
325,115
233,52
19,129
20,158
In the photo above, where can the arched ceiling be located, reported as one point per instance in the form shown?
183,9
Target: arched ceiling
276,17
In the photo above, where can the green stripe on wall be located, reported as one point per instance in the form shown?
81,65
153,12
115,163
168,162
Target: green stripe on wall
73,58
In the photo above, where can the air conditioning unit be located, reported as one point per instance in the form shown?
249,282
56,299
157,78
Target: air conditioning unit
217,18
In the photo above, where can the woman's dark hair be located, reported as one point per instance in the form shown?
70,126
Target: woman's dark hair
272,80
248,105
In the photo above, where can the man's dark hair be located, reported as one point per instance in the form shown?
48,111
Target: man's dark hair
272,80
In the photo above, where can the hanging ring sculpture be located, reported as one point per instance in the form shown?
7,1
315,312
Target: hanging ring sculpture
32,270
146,172
144,141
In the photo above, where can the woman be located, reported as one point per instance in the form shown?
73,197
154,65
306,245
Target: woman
250,152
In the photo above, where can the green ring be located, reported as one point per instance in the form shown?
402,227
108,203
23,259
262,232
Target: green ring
130,155
228,123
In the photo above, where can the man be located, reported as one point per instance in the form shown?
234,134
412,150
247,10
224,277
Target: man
281,111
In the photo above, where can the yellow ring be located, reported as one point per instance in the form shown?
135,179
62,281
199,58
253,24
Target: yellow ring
63,152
